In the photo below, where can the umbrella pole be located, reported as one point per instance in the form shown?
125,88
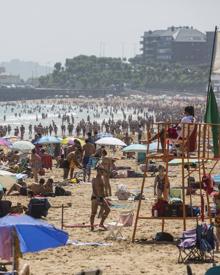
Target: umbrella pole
15,251
62,216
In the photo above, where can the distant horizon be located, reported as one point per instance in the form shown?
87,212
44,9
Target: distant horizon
102,50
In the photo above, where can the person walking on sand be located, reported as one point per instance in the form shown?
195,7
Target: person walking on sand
36,164
98,198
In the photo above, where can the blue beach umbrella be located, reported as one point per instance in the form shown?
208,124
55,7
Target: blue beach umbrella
48,140
33,234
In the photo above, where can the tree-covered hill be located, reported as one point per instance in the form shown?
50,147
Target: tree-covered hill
91,72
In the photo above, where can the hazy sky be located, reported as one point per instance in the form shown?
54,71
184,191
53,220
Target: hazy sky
51,30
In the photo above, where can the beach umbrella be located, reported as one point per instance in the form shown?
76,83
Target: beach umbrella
47,140
23,146
5,142
33,234
8,178
70,141
12,138
141,148
102,135
133,148
110,141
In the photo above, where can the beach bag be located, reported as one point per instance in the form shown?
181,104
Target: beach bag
164,237
137,197
152,168
131,174
122,193
23,191
5,208
172,133
38,207
59,191
161,207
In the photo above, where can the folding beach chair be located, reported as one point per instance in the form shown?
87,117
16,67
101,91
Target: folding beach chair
115,228
197,245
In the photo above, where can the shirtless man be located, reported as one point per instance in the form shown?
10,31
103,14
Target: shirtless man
88,151
73,159
98,198
34,188
107,164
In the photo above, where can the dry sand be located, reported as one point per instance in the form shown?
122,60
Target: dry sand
123,257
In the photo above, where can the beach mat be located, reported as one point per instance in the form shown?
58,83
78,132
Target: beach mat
78,225
78,243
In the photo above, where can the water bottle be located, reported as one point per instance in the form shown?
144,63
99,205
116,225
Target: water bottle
155,213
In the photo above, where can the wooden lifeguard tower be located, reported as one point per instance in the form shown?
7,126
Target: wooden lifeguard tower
202,153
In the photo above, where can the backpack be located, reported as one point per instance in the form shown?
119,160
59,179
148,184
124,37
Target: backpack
152,168
5,208
38,207
164,237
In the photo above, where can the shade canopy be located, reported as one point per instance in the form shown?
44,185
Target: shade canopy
110,141
23,146
48,140
33,234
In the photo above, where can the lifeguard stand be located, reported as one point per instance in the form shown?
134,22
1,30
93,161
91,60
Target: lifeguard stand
202,153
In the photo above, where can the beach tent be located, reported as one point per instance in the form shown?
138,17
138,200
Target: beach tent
110,141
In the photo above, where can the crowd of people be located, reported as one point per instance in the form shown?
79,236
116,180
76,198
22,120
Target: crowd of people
78,117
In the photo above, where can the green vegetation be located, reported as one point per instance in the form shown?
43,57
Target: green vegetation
91,72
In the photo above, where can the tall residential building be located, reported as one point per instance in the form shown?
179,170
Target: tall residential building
177,44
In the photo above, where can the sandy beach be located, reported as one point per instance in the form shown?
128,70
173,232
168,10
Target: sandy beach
119,257
123,257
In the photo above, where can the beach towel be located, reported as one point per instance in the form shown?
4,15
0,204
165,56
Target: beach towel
78,243
79,225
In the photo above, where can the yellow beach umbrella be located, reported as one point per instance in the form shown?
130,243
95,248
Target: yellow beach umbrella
70,140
